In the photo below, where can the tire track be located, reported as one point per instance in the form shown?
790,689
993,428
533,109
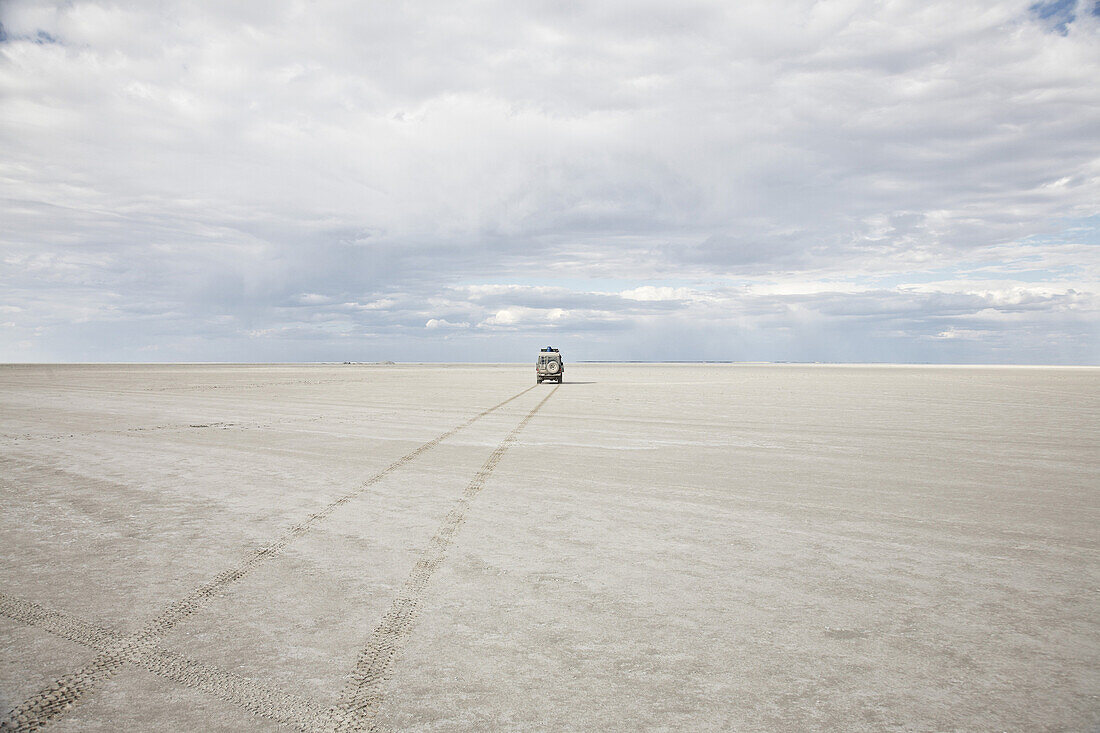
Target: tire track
66,691
259,699
365,688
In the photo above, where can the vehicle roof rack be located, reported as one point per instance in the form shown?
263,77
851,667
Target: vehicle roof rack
550,348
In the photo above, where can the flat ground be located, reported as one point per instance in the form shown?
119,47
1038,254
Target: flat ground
730,547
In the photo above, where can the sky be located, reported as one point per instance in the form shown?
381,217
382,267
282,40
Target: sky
840,180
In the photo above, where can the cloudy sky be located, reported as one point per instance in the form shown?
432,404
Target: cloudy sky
839,180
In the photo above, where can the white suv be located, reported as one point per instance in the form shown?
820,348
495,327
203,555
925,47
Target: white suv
549,366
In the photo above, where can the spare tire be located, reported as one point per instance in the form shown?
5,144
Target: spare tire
552,367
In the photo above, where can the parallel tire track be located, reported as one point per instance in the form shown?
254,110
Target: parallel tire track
365,688
64,692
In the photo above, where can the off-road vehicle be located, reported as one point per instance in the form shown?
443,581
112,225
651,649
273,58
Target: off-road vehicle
549,367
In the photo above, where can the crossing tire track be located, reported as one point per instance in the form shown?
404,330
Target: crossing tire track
51,702
257,698
366,685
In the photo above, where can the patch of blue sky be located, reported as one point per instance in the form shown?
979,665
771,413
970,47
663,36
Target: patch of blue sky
1058,14
1081,230
1017,271
1000,272
40,37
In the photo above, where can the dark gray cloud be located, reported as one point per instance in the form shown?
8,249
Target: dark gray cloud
801,180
